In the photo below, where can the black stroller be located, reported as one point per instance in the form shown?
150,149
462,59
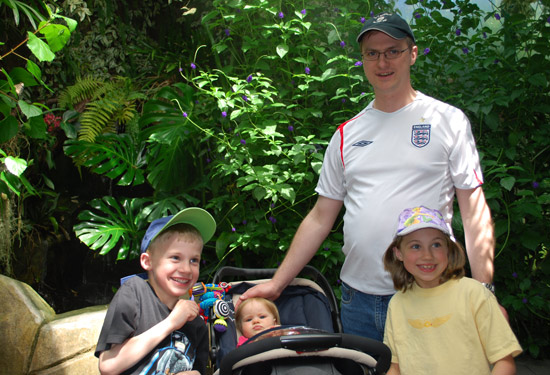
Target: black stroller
310,341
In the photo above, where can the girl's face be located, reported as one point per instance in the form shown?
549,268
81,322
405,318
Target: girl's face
173,266
256,318
424,254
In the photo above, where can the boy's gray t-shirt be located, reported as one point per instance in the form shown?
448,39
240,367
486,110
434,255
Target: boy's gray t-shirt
134,309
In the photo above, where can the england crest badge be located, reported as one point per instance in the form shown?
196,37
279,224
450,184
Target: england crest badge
421,135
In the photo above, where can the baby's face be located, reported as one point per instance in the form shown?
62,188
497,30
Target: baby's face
256,318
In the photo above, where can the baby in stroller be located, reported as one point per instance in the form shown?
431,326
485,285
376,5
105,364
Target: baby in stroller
308,341
254,316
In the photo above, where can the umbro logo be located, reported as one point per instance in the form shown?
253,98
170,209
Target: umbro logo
362,143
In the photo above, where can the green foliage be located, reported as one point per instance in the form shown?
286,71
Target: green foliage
110,105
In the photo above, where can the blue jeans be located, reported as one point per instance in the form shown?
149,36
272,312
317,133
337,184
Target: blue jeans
363,314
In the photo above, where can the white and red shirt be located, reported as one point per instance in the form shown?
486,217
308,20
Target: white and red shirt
380,163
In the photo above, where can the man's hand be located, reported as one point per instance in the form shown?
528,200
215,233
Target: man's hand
267,290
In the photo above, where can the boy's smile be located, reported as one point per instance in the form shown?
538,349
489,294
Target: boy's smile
173,266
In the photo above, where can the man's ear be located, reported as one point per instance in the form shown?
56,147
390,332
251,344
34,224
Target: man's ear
414,54
145,261
397,253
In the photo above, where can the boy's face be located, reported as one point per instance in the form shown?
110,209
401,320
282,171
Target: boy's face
256,318
173,265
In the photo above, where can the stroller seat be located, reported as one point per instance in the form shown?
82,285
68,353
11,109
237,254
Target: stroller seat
310,341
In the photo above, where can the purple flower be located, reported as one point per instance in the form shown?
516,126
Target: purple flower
307,70
524,300
496,61
180,69
245,98
417,15
514,275
548,20
535,185
497,16
342,44
227,32
281,15
233,229
208,160
457,32
465,50
243,142
343,100
290,128
224,114
363,20
193,66
249,78
303,12
484,35
372,13
272,219
184,114
244,222
358,63
426,51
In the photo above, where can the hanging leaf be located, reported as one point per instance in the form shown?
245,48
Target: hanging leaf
39,49
110,224
114,156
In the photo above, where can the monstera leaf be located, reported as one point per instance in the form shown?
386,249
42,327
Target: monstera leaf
112,155
111,224
169,135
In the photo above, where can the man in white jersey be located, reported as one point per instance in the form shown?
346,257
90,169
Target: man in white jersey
403,149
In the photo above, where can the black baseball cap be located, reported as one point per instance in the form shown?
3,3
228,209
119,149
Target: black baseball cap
388,23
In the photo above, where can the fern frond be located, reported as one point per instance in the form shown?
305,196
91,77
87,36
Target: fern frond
83,89
97,119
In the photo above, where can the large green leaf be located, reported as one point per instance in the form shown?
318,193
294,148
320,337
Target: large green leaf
115,156
39,49
112,224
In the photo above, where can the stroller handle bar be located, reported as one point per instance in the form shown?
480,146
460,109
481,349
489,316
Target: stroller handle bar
310,343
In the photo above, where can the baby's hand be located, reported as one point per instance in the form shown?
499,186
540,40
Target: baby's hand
183,312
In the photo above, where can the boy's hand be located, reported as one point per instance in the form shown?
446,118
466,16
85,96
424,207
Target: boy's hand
183,312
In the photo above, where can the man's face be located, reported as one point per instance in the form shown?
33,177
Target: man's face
388,76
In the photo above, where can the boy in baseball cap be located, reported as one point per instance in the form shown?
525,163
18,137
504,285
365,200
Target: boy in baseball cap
148,328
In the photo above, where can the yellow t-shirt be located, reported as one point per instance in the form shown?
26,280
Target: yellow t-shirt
454,328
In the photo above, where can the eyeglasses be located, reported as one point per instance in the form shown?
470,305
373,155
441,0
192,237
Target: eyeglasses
389,54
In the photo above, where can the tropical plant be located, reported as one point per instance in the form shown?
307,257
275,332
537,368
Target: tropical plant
23,120
110,106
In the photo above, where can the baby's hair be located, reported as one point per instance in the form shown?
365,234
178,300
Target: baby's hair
403,280
182,228
271,307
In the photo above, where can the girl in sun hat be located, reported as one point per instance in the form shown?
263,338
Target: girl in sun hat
440,322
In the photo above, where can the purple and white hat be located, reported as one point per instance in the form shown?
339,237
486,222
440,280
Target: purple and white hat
412,219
